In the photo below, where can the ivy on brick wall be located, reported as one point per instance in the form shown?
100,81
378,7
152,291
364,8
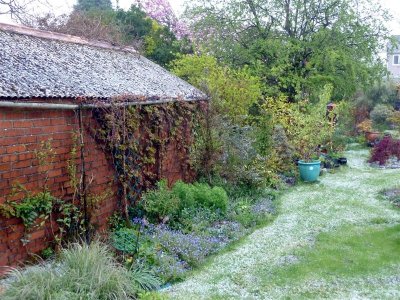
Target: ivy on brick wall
30,209
137,138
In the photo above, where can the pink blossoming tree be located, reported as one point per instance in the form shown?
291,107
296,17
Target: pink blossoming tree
162,12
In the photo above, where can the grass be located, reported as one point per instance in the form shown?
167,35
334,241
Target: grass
83,272
333,239
348,252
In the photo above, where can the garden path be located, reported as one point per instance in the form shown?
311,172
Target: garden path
334,239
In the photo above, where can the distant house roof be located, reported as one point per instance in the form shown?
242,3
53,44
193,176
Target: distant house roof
41,64
393,48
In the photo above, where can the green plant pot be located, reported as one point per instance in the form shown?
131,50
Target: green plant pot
309,171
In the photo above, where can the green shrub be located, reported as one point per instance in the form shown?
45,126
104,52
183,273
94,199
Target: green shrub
206,196
380,114
84,272
116,221
185,194
125,240
164,202
47,253
161,202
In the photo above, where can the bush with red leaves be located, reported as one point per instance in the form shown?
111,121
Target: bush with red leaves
385,149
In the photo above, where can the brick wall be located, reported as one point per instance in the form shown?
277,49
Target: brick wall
21,134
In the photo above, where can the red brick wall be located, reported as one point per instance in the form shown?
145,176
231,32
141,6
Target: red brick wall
21,134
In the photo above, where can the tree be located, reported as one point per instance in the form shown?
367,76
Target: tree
295,46
162,12
232,92
87,5
12,7
18,9
126,28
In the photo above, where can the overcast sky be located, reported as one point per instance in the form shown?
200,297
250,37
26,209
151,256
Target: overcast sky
65,6
177,5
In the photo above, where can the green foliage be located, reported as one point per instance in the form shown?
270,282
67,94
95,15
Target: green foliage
381,114
125,240
153,296
161,202
135,138
184,193
161,45
306,126
83,272
395,119
87,5
116,222
294,56
30,209
133,23
215,197
47,253
378,93
313,126
157,42
164,204
232,91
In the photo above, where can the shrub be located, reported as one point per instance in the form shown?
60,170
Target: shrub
164,202
238,152
47,253
185,194
84,272
395,119
206,196
385,149
365,125
380,114
161,203
283,149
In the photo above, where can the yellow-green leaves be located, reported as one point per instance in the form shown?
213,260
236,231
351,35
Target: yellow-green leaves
232,92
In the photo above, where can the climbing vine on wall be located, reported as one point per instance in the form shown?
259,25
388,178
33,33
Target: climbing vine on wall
137,138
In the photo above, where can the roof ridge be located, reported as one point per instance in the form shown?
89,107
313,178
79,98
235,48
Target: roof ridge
25,30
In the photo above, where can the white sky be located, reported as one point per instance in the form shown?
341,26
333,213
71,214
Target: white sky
59,7
177,5
65,6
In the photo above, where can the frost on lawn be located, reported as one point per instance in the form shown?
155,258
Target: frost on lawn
348,197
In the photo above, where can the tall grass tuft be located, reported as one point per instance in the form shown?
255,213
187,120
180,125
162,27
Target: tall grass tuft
83,272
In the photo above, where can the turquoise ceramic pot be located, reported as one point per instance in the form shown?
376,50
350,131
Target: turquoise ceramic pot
309,171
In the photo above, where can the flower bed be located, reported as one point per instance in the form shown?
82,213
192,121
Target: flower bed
177,243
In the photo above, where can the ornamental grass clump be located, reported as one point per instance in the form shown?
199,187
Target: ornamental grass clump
83,272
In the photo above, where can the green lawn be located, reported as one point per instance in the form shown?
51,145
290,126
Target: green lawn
334,239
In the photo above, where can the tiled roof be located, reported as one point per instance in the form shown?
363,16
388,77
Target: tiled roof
40,64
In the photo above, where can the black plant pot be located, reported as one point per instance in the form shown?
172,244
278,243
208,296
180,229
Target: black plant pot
336,163
328,164
342,160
